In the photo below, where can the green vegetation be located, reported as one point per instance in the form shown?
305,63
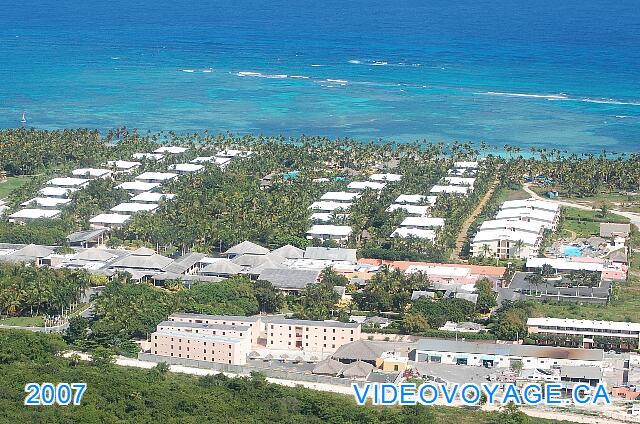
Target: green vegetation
33,291
36,321
130,395
10,184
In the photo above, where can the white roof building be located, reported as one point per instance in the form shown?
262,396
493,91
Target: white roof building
385,177
533,204
203,159
588,328
512,236
138,186
148,156
132,208
322,206
232,153
565,264
415,199
329,232
109,220
460,181
340,196
413,232
549,219
422,222
46,202
68,182
415,210
155,177
450,189
123,165
185,168
465,164
29,214
92,172
61,192
326,217
174,150
363,185
534,227
151,197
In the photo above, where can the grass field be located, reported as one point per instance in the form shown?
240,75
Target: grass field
583,223
37,321
11,184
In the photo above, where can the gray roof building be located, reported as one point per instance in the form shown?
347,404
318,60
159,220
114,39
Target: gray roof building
358,369
586,373
246,247
142,259
84,237
28,253
289,279
223,267
185,263
609,229
328,367
361,350
331,254
290,252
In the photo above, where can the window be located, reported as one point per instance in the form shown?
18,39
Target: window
187,348
180,355
155,345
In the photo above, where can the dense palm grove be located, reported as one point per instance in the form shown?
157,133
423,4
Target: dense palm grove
33,291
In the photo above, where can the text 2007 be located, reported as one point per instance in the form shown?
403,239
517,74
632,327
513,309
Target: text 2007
48,394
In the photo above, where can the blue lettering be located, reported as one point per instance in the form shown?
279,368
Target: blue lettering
601,392
552,393
464,394
407,391
361,398
385,389
434,393
576,393
449,396
511,395
537,395
490,391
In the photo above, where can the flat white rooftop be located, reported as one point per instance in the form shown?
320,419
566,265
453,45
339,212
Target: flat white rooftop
513,224
385,177
527,213
91,172
410,209
363,185
416,199
413,232
203,159
445,271
532,204
465,164
152,197
451,189
156,176
565,264
35,214
326,217
174,150
67,182
329,206
131,208
123,164
138,186
333,230
109,218
497,235
420,221
460,181
186,167
149,156
56,191
46,201
339,196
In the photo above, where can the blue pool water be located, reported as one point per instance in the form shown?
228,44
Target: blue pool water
571,251
529,73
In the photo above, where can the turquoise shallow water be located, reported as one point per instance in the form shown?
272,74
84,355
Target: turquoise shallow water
548,74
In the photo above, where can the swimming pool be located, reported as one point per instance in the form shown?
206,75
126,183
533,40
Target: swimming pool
570,250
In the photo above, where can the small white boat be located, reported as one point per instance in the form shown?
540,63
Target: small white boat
24,118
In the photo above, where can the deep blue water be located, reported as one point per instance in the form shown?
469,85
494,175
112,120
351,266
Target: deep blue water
548,73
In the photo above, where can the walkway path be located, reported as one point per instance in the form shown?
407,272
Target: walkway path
462,235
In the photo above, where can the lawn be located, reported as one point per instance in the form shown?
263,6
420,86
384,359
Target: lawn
584,223
11,184
37,321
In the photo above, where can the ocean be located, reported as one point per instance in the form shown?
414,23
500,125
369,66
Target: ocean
546,74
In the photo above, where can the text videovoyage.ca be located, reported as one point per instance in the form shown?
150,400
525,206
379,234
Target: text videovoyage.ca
474,394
